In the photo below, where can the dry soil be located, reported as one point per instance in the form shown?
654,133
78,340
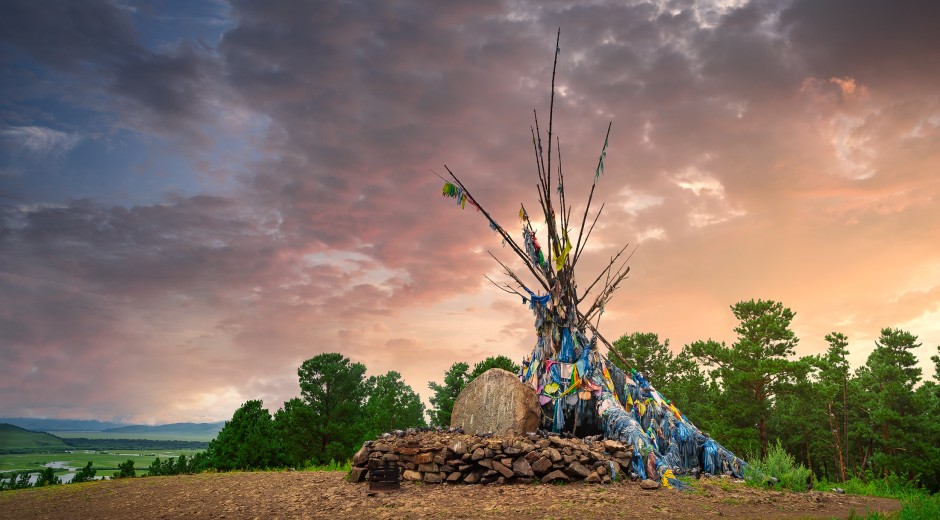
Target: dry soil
300,494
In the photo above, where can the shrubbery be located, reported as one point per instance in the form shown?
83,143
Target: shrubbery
778,469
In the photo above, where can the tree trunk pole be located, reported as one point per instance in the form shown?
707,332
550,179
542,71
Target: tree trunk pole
837,446
809,455
763,437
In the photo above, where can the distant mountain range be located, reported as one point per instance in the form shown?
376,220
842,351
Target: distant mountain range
183,428
72,425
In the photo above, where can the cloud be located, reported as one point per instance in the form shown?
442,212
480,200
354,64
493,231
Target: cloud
879,43
96,48
40,141
752,153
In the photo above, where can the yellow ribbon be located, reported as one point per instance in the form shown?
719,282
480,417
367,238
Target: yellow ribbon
666,476
560,258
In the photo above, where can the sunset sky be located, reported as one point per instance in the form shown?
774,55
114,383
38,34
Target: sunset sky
195,197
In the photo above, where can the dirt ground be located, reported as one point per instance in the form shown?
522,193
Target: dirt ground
326,495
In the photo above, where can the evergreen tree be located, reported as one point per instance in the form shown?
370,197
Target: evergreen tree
755,368
645,354
182,465
125,470
296,425
692,390
156,468
834,384
85,474
898,425
936,365
799,418
442,402
247,441
335,390
391,405
47,478
499,361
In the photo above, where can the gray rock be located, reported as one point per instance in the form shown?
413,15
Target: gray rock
432,467
522,468
454,477
423,458
477,454
432,478
649,484
553,454
503,470
473,477
556,475
357,474
496,401
458,448
593,478
577,470
542,465
361,456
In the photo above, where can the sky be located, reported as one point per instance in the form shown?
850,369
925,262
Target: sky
196,197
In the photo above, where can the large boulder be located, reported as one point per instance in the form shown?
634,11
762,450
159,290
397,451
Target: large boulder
496,402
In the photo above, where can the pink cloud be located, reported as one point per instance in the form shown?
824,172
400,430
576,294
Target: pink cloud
723,163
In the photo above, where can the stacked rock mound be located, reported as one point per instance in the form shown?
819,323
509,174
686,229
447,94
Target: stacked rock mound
450,457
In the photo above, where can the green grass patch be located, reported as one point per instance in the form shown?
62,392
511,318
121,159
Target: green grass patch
778,465
916,503
892,486
106,463
920,507
345,466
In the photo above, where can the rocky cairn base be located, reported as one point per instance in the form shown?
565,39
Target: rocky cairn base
452,457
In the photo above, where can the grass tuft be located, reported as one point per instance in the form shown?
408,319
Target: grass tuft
778,465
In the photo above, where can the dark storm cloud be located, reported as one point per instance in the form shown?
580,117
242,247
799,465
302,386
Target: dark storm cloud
753,153
877,42
96,45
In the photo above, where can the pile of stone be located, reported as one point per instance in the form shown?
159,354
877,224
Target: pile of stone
451,457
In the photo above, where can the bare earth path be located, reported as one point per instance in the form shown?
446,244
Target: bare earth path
327,495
